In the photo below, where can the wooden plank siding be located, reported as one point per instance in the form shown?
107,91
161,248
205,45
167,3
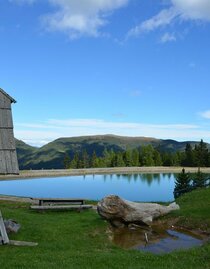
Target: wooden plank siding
8,155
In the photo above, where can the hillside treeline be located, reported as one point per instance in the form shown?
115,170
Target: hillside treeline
198,156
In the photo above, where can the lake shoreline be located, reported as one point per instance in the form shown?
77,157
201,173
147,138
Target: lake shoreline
100,171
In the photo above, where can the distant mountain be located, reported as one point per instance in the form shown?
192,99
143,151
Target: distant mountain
51,156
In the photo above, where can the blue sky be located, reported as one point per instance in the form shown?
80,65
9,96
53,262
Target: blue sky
124,67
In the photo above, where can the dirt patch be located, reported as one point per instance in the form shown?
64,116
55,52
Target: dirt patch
18,199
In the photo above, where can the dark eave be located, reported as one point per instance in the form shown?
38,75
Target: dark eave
8,96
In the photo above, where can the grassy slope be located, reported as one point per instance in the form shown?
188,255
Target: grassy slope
195,210
73,240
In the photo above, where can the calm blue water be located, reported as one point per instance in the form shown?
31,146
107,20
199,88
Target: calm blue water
137,187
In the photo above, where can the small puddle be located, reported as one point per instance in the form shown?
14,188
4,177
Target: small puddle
156,240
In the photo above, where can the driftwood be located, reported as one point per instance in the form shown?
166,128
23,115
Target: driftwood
121,212
22,243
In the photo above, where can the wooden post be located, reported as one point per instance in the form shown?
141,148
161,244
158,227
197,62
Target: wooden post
5,239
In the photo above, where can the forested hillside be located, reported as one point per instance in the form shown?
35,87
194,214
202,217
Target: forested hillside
110,151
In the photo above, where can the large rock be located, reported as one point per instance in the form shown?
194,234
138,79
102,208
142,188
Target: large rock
121,212
11,226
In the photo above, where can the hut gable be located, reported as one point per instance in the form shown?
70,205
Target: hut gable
5,99
8,155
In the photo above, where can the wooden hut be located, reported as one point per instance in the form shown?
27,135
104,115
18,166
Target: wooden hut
8,155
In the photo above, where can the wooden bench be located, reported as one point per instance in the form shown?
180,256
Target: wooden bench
60,204
60,207
49,201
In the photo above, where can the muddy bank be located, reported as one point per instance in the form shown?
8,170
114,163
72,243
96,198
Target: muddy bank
157,239
91,171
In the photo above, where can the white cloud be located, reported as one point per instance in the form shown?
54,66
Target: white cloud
36,137
87,17
193,9
205,114
167,37
161,19
81,17
42,133
180,9
78,17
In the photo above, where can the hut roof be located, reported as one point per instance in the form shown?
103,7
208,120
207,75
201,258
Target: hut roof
8,96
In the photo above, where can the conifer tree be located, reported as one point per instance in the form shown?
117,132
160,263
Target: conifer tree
199,180
189,156
182,183
119,160
94,161
128,158
157,158
67,161
84,162
75,161
201,154
135,157
147,155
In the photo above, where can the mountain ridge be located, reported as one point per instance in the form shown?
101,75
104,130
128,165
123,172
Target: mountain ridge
51,155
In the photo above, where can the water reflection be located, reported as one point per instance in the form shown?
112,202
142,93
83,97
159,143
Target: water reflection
134,187
147,178
157,239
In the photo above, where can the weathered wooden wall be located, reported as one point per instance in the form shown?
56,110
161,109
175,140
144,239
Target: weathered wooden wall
8,155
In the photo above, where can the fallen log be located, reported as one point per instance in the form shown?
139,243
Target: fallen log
120,212
22,243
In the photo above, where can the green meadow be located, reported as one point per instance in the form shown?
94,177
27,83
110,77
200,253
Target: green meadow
79,240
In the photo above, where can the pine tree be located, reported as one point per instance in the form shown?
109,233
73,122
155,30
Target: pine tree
157,158
107,157
201,154
199,180
84,162
67,161
94,160
182,183
119,160
75,161
175,159
167,159
128,158
147,155
135,158
189,156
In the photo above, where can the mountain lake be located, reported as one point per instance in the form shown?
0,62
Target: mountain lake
134,187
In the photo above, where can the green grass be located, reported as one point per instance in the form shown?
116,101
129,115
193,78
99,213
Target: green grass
79,240
195,210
